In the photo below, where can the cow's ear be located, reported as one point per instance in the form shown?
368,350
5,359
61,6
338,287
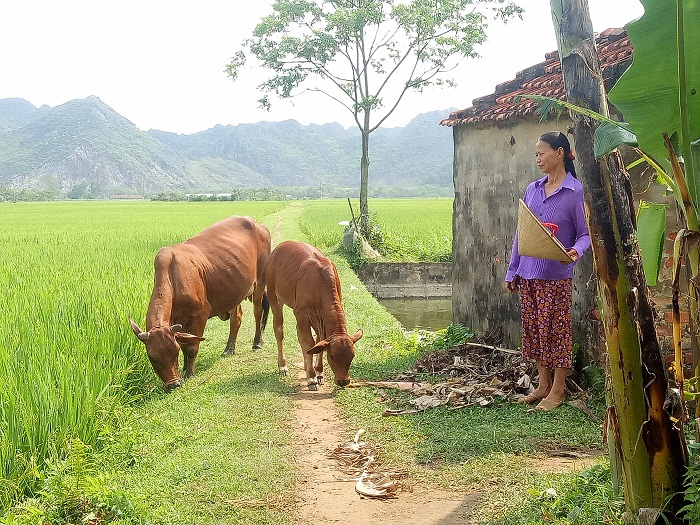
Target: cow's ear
355,338
319,347
184,337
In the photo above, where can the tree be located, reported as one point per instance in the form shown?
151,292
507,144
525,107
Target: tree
650,446
366,55
659,97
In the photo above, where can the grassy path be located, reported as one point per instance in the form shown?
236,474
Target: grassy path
218,449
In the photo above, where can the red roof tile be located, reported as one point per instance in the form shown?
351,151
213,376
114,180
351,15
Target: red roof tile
614,53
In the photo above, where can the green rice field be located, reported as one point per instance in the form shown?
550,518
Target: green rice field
71,275
411,229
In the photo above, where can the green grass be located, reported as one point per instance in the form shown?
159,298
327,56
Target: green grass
217,450
85,424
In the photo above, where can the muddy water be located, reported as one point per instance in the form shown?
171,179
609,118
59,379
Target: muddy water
425,313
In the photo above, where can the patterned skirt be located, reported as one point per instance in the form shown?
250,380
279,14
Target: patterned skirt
546,319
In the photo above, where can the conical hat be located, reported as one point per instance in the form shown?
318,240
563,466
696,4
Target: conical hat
536,240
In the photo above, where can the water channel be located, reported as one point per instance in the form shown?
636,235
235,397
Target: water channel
425,313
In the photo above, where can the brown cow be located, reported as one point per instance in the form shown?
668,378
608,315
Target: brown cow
208,275
299,276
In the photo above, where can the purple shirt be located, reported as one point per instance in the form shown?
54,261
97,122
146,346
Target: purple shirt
564,208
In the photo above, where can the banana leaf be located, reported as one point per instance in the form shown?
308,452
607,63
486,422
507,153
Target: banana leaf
608,135
651,232
660,92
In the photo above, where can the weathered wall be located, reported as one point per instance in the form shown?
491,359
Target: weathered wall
407,280
492,167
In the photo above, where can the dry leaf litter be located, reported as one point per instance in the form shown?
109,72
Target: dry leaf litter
360,463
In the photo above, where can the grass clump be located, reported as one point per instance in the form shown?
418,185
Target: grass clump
74,489
572,499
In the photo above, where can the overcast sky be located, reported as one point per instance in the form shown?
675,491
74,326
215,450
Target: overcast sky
161,63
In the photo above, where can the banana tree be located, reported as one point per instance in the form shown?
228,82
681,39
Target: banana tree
659,94
640,432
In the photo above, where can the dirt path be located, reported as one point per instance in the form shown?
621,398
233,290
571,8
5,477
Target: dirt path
322,495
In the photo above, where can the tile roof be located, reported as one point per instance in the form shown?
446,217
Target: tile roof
614,53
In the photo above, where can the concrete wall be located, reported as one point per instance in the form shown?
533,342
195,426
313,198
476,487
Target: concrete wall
407,280
492,167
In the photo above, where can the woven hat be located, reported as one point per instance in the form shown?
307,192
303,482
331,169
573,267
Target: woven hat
537,240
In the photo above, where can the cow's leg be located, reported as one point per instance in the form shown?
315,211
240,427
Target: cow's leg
278,327
319,367
236,316
259,304
190,350
306,341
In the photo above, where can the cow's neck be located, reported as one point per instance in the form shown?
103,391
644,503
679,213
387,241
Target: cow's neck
332,320
160,307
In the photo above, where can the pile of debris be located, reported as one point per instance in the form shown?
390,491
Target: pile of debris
476,374
360,463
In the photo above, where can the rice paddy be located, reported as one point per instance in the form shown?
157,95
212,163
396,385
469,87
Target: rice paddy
71,274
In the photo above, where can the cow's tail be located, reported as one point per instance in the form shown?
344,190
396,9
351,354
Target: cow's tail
265,312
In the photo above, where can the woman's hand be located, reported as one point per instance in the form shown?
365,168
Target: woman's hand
573,254
512,286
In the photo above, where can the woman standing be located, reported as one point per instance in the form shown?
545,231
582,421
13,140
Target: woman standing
545,286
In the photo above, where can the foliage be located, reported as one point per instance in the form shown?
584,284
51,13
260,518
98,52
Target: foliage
659,91
354,49
248,194
454,335
691,509
651,228
580,499
365,55
20,195
73,490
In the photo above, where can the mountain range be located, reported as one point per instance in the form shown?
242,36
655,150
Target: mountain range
86,146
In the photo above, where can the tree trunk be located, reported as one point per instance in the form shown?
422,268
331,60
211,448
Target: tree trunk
364,177
653,466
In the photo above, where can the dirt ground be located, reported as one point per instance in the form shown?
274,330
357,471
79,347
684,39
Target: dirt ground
324,497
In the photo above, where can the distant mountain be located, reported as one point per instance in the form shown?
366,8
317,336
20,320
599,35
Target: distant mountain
86,145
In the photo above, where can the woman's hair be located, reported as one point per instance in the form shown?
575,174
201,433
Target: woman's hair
556,139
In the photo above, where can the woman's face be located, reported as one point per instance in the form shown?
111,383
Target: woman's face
548,158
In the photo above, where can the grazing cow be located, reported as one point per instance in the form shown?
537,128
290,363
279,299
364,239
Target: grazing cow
299,276
208,275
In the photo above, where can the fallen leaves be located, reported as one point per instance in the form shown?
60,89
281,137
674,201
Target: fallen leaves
477,374
360,463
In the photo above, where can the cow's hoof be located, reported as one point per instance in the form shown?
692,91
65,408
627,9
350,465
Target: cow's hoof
257,346
319,379
172,386
313,387
228,351
284,371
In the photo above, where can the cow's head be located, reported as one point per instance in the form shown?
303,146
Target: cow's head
340,349
163,349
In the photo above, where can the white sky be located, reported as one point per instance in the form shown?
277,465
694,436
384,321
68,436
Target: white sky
160,63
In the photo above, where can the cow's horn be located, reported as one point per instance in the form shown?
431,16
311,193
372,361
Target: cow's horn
176,328
143,336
